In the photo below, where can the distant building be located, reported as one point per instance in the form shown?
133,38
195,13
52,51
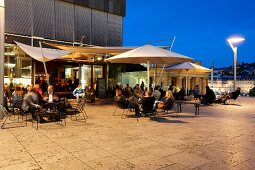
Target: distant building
228,85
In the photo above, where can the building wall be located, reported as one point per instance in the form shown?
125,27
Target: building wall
228,85
166,79
65,21
95,22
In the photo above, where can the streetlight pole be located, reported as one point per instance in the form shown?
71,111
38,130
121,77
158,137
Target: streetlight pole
231,42
2,39
235,61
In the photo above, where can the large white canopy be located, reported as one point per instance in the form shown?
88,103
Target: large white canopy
188,68
151,55
154,55
44,54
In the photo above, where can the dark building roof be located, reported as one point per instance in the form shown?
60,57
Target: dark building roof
117,7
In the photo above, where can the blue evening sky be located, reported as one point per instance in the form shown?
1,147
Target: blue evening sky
201,27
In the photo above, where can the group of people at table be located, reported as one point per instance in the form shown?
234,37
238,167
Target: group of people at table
32,99
135,98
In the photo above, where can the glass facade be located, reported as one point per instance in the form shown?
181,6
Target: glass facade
17,66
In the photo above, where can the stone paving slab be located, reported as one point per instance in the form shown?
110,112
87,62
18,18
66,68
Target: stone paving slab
221,137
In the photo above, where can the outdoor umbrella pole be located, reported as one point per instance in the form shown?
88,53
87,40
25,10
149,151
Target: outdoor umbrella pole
187,84
44,65
161,74
148,73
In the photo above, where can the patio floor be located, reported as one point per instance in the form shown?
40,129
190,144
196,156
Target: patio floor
221,137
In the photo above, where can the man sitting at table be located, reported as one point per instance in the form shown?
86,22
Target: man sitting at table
147,103
209,96
50,96
125,102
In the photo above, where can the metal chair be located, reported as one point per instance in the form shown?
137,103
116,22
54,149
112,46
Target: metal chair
16,111
170,105
120,105
77,111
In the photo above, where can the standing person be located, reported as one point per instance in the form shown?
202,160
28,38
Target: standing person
79,92
142,86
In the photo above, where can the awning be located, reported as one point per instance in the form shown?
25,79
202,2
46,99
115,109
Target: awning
36,52
81,53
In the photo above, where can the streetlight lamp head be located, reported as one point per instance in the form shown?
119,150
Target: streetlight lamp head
235,39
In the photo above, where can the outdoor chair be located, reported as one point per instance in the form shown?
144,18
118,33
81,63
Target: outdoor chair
232,98
169,106
120,105
76,110
15,112
147,106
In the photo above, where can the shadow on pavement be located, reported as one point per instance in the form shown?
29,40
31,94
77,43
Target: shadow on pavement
163,120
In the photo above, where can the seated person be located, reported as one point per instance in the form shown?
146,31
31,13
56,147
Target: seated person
147,102
79,92
209,96
17,97
90,94
125,103
232,95
128,91
37,87
168,101
50,97
31,102
138,93
180,95
156,93
197,93
6,97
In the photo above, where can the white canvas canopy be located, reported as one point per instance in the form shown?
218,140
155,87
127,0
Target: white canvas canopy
42,54
150,55
188,68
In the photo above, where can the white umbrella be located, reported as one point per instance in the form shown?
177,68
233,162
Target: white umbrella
150,55
188,68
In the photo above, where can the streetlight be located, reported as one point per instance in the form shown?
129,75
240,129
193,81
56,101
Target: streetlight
232,41
2,39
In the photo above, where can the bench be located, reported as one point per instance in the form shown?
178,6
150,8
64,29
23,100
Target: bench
180,102
68,95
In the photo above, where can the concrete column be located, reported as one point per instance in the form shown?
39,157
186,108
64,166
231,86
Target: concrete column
197,82
189,83
192,83
203,85
179,82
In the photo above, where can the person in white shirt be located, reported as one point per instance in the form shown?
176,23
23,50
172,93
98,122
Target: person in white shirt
50,96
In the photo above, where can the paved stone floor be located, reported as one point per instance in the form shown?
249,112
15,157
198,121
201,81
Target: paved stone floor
221,137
